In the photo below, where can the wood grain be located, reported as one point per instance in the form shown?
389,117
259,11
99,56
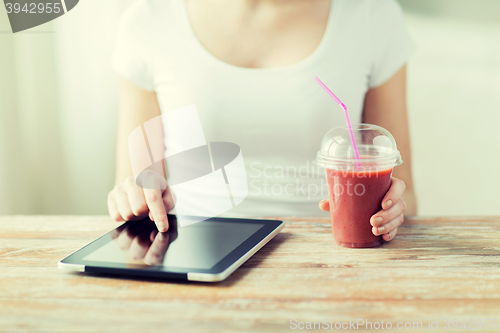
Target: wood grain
435,269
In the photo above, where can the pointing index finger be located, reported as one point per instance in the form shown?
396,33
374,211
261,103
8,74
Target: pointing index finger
157,208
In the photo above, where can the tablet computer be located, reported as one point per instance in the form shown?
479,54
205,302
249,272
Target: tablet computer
207,251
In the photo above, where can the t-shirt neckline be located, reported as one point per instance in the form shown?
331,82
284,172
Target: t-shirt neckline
310,59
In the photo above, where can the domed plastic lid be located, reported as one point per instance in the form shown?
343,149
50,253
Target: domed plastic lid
376,146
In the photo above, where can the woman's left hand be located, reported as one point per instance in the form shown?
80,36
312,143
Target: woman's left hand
386,221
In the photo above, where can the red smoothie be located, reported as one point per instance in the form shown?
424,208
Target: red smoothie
355,196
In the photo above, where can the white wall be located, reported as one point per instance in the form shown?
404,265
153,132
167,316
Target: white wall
58,108
32,173
88,101
454,103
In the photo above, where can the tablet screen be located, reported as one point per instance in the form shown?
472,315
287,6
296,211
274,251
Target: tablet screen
200,245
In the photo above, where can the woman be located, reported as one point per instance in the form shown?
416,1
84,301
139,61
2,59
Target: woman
248,67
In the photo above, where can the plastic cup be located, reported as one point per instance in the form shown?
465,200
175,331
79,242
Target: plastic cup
356,187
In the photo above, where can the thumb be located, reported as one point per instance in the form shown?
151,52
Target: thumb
324,205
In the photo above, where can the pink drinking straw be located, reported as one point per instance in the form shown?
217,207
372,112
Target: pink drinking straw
347,120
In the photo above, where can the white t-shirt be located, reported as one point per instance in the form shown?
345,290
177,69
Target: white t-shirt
277,116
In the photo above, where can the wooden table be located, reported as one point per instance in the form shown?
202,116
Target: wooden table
435,269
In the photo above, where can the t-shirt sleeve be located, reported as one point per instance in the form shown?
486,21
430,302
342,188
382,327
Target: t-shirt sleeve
391,43
131,57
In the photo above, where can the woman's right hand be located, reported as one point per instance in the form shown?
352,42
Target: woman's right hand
127,201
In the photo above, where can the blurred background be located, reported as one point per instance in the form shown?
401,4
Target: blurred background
58,109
